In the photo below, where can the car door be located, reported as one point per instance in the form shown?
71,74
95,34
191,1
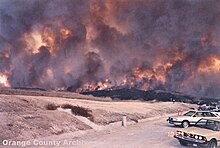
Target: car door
196,117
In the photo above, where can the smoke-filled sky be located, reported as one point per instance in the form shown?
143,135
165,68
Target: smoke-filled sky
103,44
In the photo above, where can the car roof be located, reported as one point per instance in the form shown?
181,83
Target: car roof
200,111
213,119
192,110
203,110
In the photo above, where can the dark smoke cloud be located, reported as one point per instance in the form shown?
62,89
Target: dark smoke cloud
110,40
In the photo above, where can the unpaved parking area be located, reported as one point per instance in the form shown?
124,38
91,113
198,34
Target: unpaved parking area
26,118
155,133
151,133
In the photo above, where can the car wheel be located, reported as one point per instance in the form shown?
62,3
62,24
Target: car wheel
212,144
183,143
185,124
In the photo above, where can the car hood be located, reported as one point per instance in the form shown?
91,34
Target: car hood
200,131
178,117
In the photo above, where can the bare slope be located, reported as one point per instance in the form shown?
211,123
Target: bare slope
25,117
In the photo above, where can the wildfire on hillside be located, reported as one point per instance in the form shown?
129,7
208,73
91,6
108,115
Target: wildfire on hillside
96,45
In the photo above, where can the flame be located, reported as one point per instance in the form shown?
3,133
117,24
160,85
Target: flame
4,80
113,30
123,82
33,41
102,86
158,72
45,36
145,73
65,33
212,65
48,37
140,78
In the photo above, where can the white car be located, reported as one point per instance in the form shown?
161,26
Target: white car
191,117
205,133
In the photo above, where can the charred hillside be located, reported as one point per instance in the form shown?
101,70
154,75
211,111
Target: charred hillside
113,94
136,94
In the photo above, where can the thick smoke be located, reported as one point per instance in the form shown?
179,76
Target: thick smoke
98,44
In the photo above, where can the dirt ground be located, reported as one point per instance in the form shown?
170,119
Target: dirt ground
25,117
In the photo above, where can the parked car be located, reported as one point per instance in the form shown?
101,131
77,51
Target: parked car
206,132
191,117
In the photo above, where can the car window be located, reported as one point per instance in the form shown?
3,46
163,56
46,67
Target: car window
201,123
208,124
208,114
199,114
190,113
213,125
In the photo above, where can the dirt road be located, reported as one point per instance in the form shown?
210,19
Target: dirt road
151,133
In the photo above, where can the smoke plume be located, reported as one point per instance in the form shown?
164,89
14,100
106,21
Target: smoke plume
104,44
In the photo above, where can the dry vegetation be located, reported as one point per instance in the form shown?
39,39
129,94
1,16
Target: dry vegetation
51,106
78,110
33,92
27,117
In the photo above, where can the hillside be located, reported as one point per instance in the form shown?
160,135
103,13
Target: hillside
28,116
136,94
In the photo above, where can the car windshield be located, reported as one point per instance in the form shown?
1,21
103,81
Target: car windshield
208,124
190,113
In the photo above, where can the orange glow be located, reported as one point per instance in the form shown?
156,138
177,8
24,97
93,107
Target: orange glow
90,33
106,84
65,33
209,38
49,72
109,18
212,65
33,41
108,14
4,80
45,37
48,38
143,73
67,70
204,40
102,86
158,72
